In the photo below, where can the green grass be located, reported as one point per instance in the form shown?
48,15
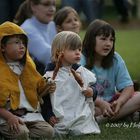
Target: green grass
114,131
109,131
128,46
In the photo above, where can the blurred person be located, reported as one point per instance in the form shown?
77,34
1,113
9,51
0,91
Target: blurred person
8,9
24,12
67,19
40,30
124,8
91,8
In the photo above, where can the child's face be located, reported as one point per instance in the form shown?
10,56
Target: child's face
71,23
44,11
14,49
103,45
71,56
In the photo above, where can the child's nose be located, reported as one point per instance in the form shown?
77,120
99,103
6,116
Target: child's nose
78,52
21,45
108,42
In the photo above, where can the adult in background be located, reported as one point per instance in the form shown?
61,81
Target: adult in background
124,8
92,9
40,30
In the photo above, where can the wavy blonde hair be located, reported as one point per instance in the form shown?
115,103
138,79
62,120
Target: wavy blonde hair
65,40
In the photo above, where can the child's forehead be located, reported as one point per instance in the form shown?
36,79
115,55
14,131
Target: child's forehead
105,35
16,37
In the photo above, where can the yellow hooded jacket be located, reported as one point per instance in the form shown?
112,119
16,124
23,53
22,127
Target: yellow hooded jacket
32,82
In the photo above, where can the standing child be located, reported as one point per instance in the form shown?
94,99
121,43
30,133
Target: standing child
116,97
20,84
68,101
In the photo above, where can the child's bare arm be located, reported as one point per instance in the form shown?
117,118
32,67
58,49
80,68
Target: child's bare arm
125,95
12,120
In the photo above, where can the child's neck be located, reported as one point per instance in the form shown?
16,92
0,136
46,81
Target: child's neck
9,60
12,61
67,66
64,64
98,60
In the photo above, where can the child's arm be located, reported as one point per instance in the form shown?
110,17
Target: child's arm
46,111
49,87
104,106
91,91
125,95
12,120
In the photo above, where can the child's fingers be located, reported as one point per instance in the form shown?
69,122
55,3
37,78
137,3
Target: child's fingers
14,128
115,107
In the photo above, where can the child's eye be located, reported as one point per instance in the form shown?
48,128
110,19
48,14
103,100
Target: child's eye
103,38
68,21
112,39
75,19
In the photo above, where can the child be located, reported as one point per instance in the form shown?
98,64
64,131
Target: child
116,97
67,19
20,84
68,101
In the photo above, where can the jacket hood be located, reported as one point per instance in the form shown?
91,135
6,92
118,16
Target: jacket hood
9,28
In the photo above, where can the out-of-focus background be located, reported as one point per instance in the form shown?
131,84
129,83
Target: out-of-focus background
124,15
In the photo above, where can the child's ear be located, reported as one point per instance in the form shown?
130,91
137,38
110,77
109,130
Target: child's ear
2,48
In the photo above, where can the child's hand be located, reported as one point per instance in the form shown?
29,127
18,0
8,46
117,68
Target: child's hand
106,109
13,123
53,120
116,105
88,92
51,86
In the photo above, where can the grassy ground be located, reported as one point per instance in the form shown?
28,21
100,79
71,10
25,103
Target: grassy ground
109,131
113,131
128,45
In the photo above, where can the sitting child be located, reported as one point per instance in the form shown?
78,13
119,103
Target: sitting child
74,84
20,85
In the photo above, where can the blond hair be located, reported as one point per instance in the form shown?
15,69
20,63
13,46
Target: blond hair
65,40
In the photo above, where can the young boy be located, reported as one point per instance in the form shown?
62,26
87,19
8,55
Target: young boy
20,86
